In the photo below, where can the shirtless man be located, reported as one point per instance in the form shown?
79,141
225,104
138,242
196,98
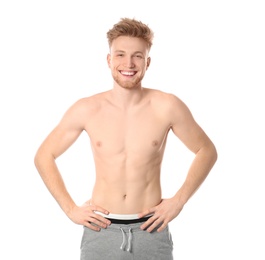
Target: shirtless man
128,127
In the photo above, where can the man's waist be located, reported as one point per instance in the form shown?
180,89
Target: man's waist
124,218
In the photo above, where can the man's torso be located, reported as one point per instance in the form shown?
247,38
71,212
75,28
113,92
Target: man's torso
128,147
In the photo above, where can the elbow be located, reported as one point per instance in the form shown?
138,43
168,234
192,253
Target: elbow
214,153
42,157
209,152
36,159
39,157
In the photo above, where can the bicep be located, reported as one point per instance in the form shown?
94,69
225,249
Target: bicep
187,129
64,134
60,139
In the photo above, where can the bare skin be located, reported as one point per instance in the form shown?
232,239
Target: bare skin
128,127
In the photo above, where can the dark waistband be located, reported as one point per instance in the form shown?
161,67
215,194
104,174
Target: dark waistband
128,221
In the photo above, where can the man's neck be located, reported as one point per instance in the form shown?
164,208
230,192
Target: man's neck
126,98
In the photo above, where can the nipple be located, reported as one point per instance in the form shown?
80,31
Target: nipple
155,143
99,144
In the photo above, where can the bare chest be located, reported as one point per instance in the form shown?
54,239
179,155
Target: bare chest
142,132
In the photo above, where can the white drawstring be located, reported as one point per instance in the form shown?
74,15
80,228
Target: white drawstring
129,241
129,244
123,239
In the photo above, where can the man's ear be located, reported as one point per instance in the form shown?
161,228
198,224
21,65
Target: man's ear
108,59
148,62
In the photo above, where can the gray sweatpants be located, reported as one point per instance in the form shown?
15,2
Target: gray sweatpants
126,242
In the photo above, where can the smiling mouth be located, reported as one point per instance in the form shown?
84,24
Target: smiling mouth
127,73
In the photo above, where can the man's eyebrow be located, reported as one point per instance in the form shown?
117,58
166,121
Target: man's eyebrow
136,52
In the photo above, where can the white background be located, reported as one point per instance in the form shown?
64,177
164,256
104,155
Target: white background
209,53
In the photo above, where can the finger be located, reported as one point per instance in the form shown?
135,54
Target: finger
101,218
153,226
99,209
95,207
95,221
95,218
148,222
162,227
90,226
147,212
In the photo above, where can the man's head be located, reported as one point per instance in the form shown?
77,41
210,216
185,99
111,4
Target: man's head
129,42
132,28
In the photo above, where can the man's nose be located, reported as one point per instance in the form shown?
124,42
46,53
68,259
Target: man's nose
129,62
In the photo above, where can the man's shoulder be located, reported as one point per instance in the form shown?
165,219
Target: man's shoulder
93,100
168,104
89,104
163,97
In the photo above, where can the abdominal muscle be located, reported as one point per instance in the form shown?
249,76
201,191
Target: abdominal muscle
126,188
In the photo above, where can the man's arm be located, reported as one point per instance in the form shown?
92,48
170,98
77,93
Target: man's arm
55,144
192,135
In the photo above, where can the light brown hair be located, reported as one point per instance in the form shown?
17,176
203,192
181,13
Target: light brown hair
132,28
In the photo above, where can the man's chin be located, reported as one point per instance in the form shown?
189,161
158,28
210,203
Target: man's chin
127,84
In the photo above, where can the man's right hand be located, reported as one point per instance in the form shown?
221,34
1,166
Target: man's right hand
85,215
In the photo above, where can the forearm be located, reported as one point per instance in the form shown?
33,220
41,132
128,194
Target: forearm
201,166
51,177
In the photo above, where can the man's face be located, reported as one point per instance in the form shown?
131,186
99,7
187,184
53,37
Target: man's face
128,61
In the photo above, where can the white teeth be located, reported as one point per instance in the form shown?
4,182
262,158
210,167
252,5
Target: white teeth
127,73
